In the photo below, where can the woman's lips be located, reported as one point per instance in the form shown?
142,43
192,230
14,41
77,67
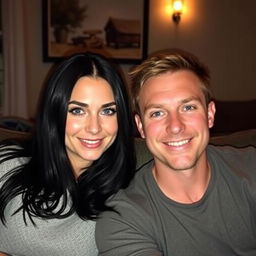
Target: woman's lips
91,143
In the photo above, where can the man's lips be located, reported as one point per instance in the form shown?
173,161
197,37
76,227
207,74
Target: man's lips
177,143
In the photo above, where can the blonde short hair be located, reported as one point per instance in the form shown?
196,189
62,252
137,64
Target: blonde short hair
168,61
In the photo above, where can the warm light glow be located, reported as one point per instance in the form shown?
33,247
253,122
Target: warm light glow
168,9
177,10
177,5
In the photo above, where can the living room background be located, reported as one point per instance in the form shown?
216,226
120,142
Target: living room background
220,33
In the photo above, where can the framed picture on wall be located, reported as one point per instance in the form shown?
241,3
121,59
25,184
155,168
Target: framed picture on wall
114,28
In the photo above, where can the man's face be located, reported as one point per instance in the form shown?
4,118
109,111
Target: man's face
175,120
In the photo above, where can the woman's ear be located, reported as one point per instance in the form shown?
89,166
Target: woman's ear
211,114
139,125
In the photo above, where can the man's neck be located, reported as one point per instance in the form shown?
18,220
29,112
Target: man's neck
186,186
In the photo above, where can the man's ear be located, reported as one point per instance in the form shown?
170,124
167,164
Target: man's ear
139,125
211,114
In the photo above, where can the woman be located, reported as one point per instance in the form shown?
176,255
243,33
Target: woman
54,187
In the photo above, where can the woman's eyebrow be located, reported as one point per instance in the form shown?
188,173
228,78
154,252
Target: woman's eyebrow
78,103
81,104
109,104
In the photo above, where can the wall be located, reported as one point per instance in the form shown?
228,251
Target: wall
221,33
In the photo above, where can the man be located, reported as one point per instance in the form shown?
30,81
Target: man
193,199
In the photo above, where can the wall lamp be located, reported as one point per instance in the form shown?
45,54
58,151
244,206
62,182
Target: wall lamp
177,6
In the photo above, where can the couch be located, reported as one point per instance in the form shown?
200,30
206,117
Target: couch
237,139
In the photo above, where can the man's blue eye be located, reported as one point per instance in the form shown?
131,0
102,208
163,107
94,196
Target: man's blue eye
156,114
189,107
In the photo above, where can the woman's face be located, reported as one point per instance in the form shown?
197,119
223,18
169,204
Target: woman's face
91,125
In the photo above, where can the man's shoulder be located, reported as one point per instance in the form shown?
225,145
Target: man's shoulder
240,161
233,152
132,219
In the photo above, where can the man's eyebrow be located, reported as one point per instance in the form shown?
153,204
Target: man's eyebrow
81,104
183,101
191,99
153,106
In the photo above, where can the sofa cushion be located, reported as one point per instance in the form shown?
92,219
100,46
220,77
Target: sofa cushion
237,139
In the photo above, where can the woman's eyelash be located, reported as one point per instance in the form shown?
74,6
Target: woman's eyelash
75,111
109,111
79,111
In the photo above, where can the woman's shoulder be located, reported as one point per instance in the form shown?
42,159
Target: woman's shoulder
9,151
9,159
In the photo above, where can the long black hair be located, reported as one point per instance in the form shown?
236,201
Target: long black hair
46,181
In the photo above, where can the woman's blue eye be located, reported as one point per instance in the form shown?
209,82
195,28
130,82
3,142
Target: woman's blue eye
76,111
109,111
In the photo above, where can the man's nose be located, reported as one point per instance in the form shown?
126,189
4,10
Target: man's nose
175,123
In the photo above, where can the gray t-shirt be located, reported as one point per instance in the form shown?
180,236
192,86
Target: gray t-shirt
71,236
222,222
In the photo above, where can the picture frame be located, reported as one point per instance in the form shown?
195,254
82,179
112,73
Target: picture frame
116,29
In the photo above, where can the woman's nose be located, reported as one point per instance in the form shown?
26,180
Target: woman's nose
93,125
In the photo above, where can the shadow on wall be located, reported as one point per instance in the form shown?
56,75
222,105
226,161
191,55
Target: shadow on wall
233,116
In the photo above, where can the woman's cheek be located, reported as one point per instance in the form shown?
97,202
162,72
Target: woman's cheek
73,126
